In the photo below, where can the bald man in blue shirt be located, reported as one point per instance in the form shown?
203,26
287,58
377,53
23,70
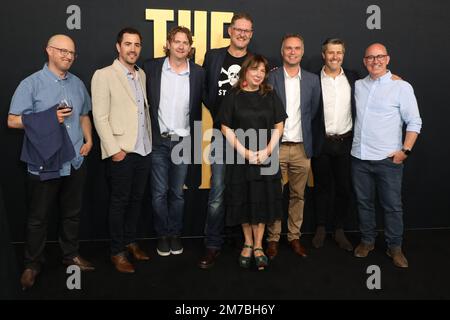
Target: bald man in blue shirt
383,106
55,85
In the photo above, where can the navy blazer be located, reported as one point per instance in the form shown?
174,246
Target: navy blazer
311,114
46,145
153,71
212,65
351,76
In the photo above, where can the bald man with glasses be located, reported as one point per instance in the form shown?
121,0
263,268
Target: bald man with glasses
50,105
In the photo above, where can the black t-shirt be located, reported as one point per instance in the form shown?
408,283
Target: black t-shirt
229,75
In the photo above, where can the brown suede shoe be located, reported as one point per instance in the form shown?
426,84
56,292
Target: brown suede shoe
272,249
137,252
122,264
298,248
398,257
363,249
28,278
80,262
342,241
208,260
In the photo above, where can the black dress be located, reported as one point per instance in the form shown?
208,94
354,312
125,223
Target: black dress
251,195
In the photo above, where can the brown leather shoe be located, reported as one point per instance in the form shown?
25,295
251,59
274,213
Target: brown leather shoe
137,252
208,260
398,257
298,248
28,278
122,264
80,262
272,249
363,249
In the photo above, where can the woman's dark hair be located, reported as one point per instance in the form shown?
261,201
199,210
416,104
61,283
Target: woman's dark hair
252,62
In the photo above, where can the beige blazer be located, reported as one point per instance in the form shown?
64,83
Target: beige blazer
115,110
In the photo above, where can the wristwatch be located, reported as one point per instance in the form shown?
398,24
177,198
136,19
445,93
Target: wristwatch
406,151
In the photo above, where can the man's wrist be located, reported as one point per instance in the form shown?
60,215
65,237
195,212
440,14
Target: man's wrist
406,151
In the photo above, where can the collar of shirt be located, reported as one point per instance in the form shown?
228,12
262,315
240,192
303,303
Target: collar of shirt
287,76
325,75
129,74
168,67
384,78
53,76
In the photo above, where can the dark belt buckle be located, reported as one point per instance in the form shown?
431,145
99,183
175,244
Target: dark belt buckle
165,135
339,137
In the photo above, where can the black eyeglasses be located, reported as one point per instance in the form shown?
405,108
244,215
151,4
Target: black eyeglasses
378,57
244,31
65,52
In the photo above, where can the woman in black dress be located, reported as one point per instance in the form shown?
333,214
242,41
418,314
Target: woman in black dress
252,119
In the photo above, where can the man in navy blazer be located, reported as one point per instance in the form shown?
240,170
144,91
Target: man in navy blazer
331,166
174,89
299,91
222,68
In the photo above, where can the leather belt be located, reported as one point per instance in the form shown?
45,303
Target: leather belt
290,143
339,137
166,135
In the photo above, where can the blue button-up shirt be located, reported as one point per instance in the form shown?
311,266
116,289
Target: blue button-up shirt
143,144
42,90
173,112
382,107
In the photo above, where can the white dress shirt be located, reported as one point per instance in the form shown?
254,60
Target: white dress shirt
337,107
293,125
173,112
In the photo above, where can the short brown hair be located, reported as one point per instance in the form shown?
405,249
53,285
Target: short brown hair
241,15
171,36
292,35
333,41
252,62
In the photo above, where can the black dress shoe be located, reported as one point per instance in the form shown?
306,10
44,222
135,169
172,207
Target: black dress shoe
208,260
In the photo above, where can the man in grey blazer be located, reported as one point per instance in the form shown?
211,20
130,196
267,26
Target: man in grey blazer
300,92
121,117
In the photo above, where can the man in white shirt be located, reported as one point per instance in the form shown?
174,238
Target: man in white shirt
299,90
331,168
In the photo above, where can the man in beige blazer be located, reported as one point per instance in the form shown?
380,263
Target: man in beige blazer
121,117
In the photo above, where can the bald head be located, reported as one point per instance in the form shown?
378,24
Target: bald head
378,47
376,60
60,40
61,53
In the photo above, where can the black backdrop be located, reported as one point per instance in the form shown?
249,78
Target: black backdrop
415,32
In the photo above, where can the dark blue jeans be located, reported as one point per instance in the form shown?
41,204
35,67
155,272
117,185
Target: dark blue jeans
167,180
215,216
385,178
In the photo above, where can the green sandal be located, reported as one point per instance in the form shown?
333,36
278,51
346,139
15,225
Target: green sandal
261,261
244,262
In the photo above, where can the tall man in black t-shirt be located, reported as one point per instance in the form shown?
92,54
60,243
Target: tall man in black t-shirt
222,67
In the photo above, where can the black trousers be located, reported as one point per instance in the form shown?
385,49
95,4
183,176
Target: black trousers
332,181
128,179
67,193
